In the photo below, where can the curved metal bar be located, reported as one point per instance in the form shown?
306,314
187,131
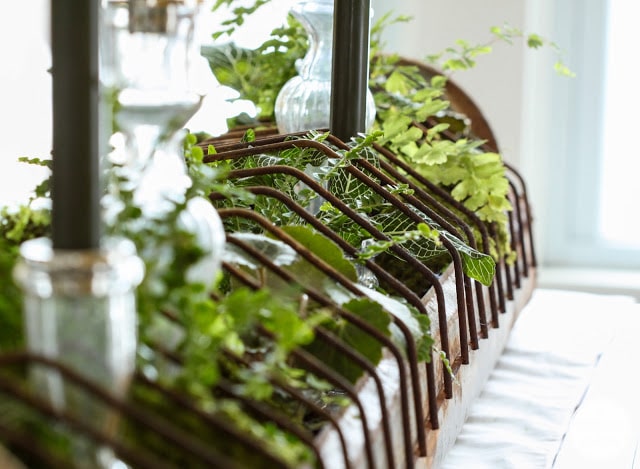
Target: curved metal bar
174,435
445,197
184,403
315,365
397,250
354,355
463,281
527,206
300,396
514,248
350,250
267,413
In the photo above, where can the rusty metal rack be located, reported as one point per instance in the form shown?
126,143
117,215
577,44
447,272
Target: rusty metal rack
400,412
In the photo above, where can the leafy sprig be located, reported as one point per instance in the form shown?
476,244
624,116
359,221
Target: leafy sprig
463,56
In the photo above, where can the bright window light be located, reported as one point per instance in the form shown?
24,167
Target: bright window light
619,210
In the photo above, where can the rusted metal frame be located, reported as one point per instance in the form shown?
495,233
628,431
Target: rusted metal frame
353,354
514,247
464,281
527,206
184,403
26,443
522,251
509,291
399,287
457,262
444,196
124,408
266,413
295,393
397,250
499,284
400,252
445,214
316,366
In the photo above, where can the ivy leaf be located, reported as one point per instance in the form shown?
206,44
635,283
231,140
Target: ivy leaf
477,265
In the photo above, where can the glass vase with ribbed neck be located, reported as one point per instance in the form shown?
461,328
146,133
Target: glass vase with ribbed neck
304,102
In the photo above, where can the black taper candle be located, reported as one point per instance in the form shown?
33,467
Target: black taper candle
75,189
350,72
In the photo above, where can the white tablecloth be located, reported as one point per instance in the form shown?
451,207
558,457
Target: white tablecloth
565,392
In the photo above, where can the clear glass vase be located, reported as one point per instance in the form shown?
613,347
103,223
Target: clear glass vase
148,49
304,102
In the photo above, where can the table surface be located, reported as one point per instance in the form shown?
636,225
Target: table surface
564,393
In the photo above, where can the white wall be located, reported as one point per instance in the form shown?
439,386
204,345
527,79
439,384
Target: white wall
25,96
512,85
496,82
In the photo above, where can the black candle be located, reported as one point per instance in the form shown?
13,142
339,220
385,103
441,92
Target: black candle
350,72
75,187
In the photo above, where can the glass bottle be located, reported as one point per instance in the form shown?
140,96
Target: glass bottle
304,102
148,50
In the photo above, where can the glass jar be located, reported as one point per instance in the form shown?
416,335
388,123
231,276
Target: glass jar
80,311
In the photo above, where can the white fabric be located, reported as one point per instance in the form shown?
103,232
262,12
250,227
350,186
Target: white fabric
558,347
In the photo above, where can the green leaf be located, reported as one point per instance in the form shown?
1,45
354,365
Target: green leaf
324,248
534,41
477,265
355,337
563,70
417,324
397,82
249,136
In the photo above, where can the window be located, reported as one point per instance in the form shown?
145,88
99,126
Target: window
619,222
588,212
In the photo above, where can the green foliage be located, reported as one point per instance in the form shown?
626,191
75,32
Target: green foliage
239,13
258,74
16,226
355,337
463,55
